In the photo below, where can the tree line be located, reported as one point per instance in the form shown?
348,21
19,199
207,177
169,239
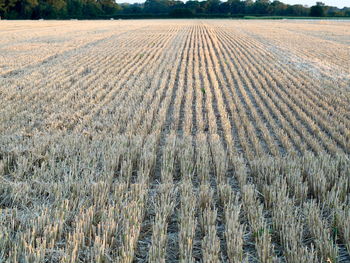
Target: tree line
99,9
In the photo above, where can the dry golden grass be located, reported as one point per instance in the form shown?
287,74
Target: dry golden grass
174,141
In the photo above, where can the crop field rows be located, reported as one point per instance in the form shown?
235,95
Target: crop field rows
175,141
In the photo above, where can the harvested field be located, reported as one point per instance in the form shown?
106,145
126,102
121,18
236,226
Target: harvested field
175,141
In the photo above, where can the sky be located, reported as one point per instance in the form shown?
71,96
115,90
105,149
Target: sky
338,3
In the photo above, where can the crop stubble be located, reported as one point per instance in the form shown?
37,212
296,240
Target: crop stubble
174,140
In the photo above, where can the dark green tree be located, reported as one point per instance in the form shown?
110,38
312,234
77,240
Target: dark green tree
261,7
297,10
90,9
181,13
194,6
21,8
212,6
318,10
236,6
2,8
131,8
278,8
75,8
157,7
109,7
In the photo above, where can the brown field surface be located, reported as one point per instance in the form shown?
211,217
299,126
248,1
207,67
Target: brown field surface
175,141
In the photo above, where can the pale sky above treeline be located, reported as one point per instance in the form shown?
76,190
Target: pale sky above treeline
338,3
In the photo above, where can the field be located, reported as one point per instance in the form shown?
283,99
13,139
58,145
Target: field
175,141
